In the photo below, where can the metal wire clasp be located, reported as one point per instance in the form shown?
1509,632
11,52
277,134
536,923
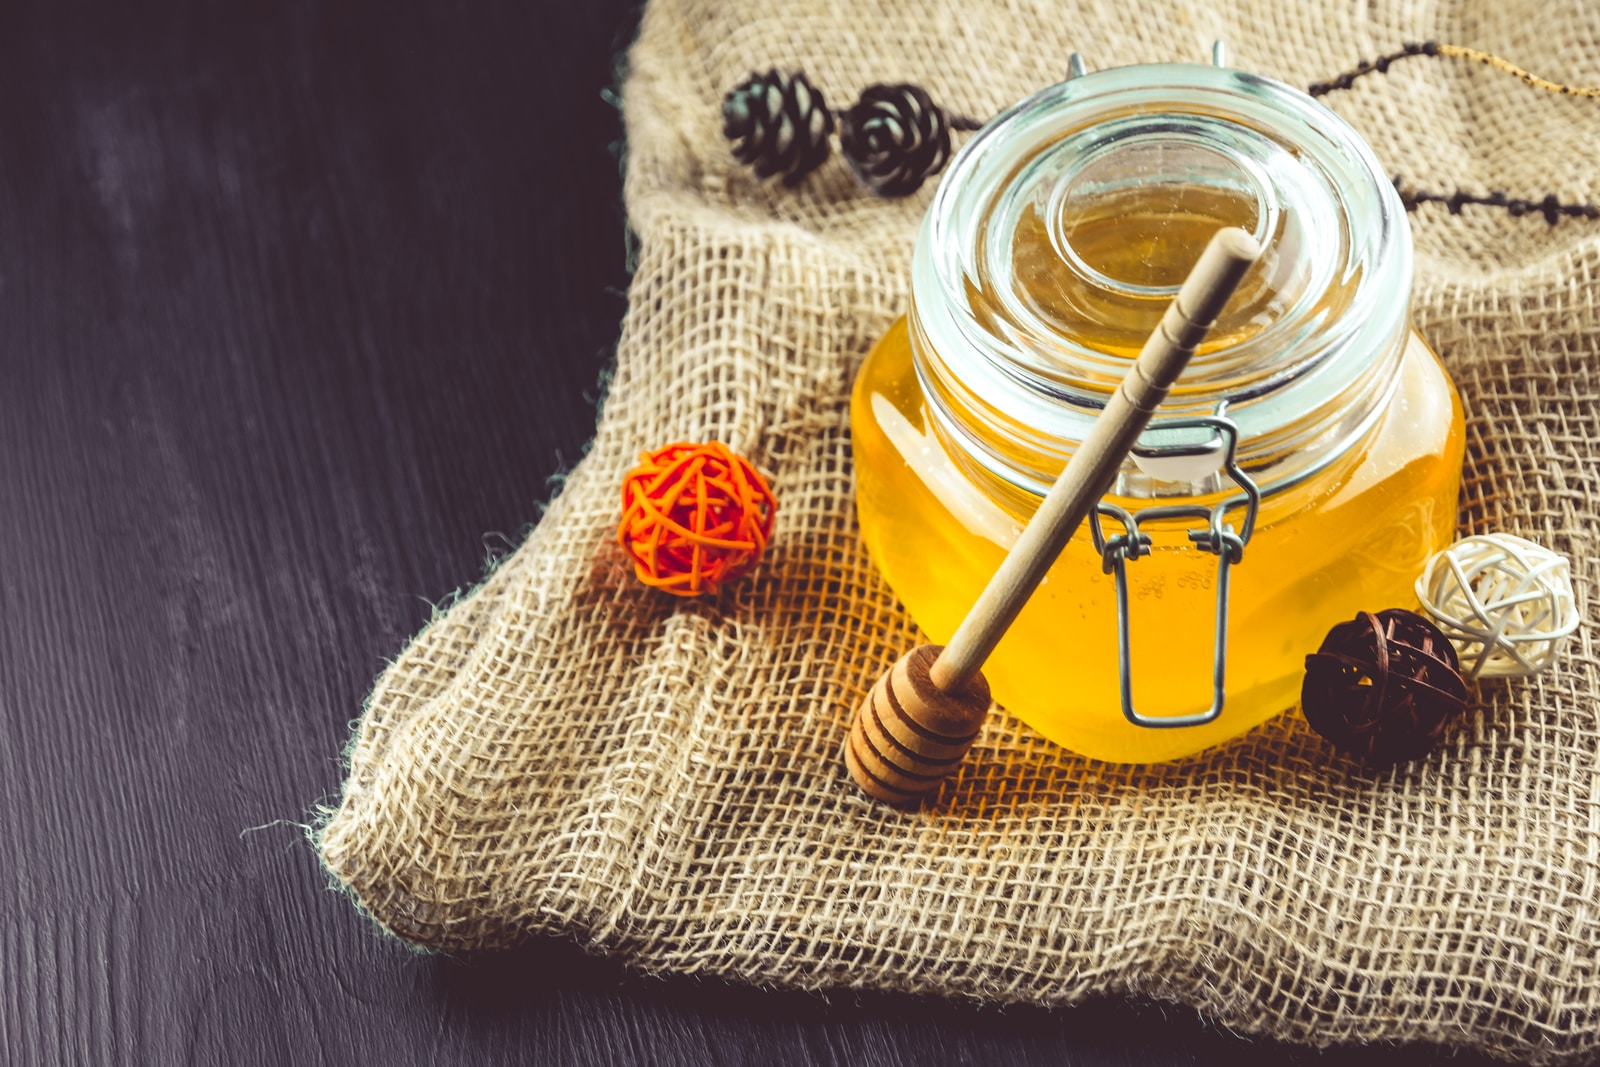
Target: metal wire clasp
1216,537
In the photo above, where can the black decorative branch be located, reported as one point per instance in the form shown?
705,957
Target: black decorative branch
1550,207
1376,66
1450,51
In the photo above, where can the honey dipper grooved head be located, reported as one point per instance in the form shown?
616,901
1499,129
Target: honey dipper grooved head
908,734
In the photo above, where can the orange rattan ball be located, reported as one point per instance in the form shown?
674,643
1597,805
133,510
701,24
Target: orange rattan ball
694,516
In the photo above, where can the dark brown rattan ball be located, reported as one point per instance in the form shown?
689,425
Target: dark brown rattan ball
1383,687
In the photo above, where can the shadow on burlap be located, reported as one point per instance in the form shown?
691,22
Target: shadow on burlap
565,751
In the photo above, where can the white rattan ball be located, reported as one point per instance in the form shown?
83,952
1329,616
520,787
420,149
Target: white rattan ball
1504,602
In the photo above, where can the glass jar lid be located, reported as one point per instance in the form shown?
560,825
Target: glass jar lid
1062,230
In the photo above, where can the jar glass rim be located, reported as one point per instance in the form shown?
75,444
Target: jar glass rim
1015,383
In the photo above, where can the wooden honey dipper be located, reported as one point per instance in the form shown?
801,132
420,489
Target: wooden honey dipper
918,721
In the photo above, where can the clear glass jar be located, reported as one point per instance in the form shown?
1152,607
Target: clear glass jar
1055,241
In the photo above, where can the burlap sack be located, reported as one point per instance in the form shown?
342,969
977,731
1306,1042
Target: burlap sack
566,751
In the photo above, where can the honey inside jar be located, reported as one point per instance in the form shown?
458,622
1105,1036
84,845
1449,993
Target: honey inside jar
1052,275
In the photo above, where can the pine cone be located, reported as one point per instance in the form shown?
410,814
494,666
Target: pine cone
895,137
1383,687
779,122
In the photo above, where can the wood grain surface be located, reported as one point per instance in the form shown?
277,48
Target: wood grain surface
301,307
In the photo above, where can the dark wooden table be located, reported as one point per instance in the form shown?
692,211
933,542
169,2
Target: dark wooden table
301,305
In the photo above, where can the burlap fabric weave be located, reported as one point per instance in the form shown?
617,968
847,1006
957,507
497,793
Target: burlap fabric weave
567,751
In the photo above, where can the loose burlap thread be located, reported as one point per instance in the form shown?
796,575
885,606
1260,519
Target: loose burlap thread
565,751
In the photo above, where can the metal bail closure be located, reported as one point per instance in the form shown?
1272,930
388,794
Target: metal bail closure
1216,537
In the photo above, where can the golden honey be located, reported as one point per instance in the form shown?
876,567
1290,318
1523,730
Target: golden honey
1037,281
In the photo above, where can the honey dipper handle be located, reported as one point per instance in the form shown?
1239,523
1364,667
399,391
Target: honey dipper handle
1094,465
